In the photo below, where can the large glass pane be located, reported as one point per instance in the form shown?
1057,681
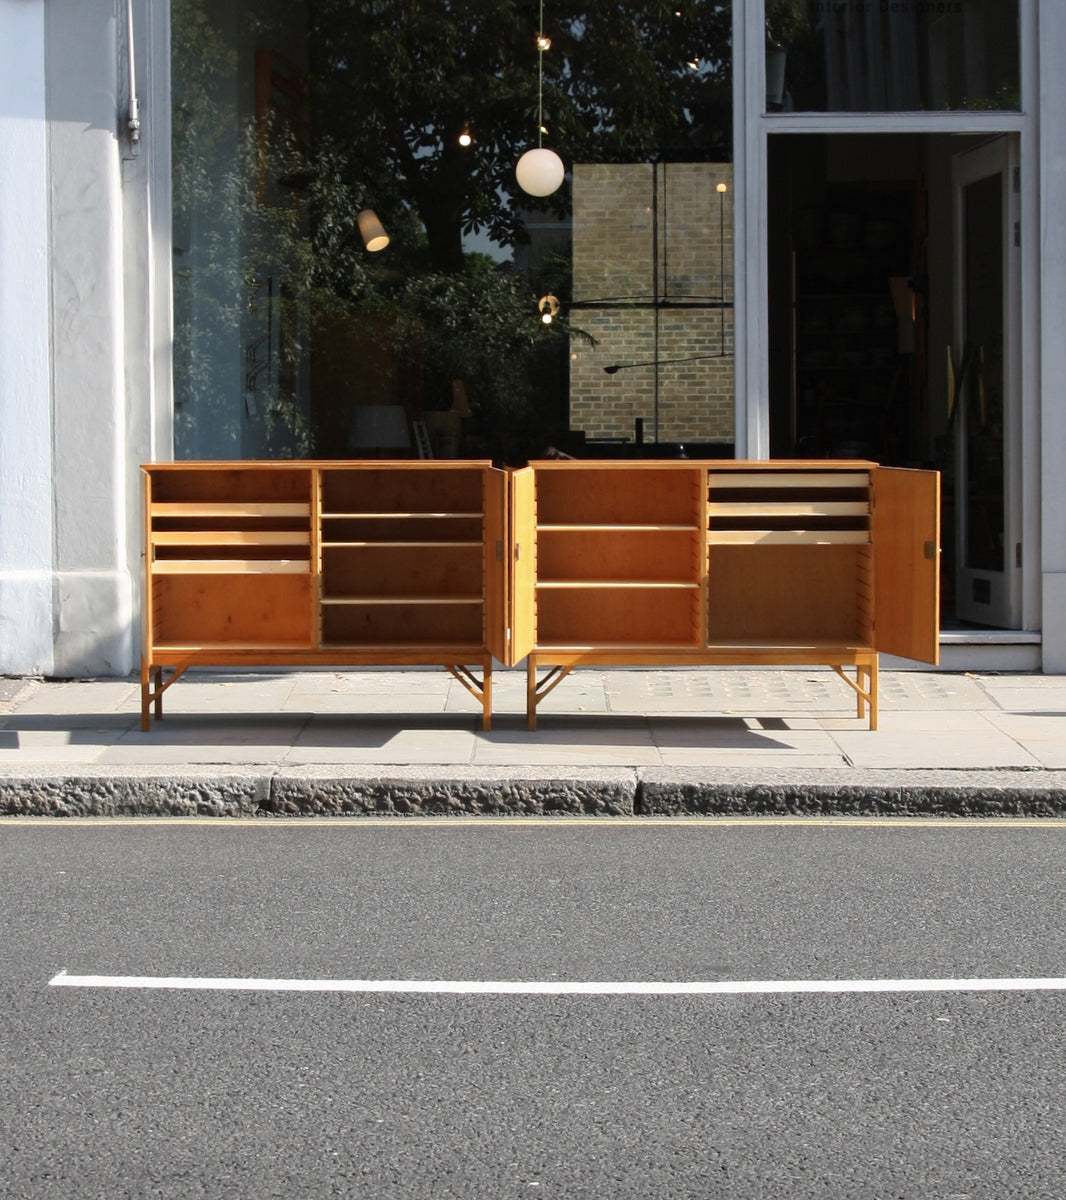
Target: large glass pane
891,55
983,422
297,124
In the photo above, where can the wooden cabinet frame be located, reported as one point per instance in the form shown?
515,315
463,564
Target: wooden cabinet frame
323,563
562,563
781,563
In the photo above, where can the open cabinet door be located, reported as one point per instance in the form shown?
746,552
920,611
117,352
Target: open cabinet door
522,560
497,541
906,538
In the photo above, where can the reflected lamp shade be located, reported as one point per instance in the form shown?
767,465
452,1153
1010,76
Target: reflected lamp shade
379,427
374,235
540,171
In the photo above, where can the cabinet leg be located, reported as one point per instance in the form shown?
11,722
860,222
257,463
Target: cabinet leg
865,687
486,697
531,692
146,696
873,694
152,694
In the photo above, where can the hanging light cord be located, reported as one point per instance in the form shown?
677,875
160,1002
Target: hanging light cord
540,78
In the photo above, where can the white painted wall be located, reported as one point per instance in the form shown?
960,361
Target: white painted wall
92,603
26,534
65,579
1052,48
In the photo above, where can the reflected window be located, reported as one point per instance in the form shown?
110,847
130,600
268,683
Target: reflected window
892,55
349,232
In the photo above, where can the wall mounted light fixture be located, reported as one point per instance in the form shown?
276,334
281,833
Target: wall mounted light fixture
614,368
549,308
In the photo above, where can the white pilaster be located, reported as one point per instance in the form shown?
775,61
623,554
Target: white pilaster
26,538
1052,48
92,593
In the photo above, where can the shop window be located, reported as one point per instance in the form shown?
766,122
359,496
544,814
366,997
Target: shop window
299,128
892,55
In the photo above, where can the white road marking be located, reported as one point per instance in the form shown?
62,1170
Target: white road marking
551,987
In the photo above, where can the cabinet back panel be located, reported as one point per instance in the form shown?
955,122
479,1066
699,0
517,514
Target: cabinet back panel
402,570
629,616
638,497
373,625
661,555
396,489
800,592
402,529
192,609
238,483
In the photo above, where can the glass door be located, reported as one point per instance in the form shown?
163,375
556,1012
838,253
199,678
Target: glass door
985,408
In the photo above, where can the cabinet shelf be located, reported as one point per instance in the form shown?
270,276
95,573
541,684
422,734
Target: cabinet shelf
229,508
645,584
237,646
367,544
401,601
231,537
644,647
788,537
231,566
413,651
615,527
726,509
771,480
410,515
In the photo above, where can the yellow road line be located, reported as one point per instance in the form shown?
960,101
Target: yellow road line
466,821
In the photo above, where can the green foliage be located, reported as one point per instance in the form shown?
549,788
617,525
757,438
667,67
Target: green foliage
396,82
786,20
480,327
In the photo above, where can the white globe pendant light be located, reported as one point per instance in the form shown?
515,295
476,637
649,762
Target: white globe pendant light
540,171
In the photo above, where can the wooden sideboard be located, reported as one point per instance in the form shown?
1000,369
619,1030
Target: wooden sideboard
323,563
562,563
777,563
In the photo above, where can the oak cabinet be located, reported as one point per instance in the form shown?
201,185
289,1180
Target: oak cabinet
740,563
323,563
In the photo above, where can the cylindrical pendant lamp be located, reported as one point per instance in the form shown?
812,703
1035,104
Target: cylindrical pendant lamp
374,235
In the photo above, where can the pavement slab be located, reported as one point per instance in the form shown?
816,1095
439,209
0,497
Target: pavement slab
644,741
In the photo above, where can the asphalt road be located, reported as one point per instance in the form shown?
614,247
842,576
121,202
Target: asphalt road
135,1092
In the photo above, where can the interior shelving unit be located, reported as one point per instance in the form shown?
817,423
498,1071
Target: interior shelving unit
723,564
308,564
616,568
